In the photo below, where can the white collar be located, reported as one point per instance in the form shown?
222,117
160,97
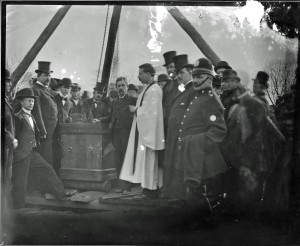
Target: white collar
40,83
244,94
188,82
59,92
27,111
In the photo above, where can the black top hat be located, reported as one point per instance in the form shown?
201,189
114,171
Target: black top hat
181,61
25,93
216,81
203,66
65,82
132,87
101,87
229,73
168,56
222,64
75,87
44,67
262,77
7,75
163,77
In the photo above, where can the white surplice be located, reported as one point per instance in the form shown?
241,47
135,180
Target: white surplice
149,122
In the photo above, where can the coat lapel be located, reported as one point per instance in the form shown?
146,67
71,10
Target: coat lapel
26,117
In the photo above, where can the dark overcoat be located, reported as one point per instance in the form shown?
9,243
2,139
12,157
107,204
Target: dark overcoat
9,124
101,111
173,177
202,129
80,111
64,110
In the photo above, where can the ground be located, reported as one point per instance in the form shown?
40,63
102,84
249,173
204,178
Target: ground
154,227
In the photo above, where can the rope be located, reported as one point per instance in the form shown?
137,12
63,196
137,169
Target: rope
104,35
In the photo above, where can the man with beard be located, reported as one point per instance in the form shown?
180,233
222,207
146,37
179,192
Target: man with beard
80,107
45,109
260,85
173,174
243,147
121,121
64,107
146,136
100,106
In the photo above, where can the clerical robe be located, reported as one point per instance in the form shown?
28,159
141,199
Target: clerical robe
148,124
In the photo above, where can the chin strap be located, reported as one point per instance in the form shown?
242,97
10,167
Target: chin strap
202,82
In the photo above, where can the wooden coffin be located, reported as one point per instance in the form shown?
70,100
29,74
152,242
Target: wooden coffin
88,161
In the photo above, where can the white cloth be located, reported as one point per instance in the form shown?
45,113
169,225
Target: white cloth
28,114
149,121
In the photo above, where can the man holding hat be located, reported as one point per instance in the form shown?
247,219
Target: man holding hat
243,147
201,129
260,85
45,109
80,106
64,107
100,106
26,157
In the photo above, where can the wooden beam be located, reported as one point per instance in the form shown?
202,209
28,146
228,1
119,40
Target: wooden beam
38,45
111,40
194,34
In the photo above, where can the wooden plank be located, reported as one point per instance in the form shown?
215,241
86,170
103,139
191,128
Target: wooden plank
194,35
88,174
87,196
85,128
110,46
87,185
38,45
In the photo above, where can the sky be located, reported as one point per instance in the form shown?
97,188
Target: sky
236,34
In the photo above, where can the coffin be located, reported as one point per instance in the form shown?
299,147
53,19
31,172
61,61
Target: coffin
88,161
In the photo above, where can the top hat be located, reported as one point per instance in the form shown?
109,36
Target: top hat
203,66
163,77
222,64
101,87
262,78
44,67
230,74
216,81
7,75
168,56
132,87
25,93
181,61
65,82
75,87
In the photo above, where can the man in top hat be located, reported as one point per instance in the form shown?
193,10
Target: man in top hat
26,157
248,144
100,105
132,91
64,107
10,143
260,85
45,109
121,122
221,67
163,79
193,157
80,107
173,177
146,136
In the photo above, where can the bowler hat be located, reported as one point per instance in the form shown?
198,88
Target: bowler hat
75,87
7,75
25,93
230,74
262,77
132,87
65,82
181,61
101,87
203,66
216,81
222,64
168,56
44,67
163,77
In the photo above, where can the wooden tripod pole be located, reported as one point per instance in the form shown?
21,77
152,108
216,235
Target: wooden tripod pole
194,34
38,45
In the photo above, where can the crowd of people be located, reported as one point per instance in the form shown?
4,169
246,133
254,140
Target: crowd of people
193,134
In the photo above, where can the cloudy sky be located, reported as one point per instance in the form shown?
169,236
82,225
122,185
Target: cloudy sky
145,33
